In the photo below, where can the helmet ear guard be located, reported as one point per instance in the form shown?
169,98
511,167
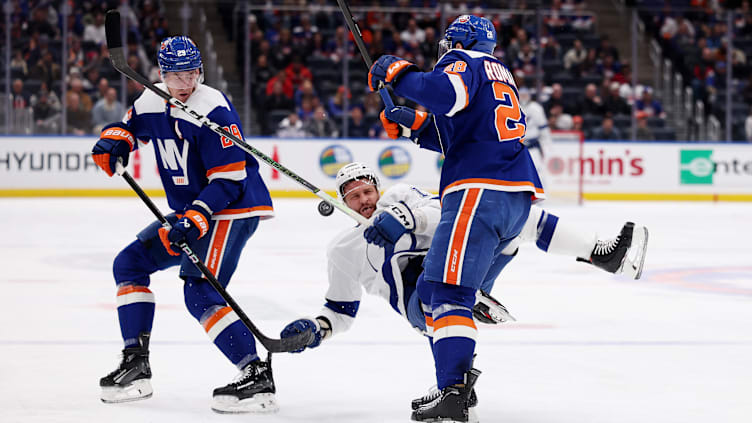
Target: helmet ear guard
355,171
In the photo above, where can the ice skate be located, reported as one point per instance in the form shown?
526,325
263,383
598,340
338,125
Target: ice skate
131,380
453,404
252,392
488,310
623,254
434,393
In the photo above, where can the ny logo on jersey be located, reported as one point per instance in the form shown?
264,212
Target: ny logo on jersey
173,158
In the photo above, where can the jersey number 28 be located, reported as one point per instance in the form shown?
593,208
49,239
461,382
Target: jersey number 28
509,123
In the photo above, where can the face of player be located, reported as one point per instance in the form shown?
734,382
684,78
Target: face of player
361,197
181,84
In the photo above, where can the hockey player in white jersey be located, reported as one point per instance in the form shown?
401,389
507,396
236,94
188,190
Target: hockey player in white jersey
538,134
391,269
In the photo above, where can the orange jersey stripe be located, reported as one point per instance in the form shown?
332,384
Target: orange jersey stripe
215,318
455,254
232,167
429,321
497,182
453,321
129,289
214,257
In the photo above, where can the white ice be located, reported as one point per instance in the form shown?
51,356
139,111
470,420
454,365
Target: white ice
675,346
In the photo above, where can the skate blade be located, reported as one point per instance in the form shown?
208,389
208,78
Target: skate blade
635,257
259,403
472,417
137,390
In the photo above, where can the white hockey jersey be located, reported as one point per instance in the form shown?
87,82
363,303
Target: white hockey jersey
537,132
354,264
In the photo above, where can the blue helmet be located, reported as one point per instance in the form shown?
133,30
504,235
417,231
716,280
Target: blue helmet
474,32
177,54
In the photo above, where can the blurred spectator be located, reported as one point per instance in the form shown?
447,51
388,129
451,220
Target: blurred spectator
133,91
291,127
336,103
107,110
46,69
287,87
607,131
357,126
430,47
748,126
18,66
320,125
526,60
39,22
102,86
649,105
556,99
582,20
575,57
413,35
643,130
52,98
297,72
614,104
261,74
703,82
94,31
591,104
19,96
46,116
305,90
277,100
606,49
307,105
577,123
76,56
77,87
78,118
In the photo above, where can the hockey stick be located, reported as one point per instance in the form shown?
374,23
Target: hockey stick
272,345
358,37
117,57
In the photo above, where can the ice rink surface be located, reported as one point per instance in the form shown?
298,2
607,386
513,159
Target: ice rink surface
675,346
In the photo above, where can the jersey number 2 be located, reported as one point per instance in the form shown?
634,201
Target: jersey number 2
509,124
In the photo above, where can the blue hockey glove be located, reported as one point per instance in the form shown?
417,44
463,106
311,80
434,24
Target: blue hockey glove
401,121
115,142
390,225
388,69
191,227
301,326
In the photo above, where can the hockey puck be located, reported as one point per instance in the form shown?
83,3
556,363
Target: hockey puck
325,209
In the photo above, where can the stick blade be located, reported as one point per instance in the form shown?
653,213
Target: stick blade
112,29
292,343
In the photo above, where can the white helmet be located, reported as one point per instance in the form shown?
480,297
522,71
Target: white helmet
355,171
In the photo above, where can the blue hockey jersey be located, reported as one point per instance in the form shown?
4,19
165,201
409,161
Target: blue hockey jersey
478,123
196,164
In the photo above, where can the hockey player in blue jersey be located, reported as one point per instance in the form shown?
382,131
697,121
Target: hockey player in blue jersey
488,181
218,198
405,219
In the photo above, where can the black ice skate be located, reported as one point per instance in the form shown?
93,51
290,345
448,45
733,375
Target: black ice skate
434,393
130,381
452,405
623,254
252,392
488,310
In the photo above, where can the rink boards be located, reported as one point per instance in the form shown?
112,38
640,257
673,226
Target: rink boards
62,166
